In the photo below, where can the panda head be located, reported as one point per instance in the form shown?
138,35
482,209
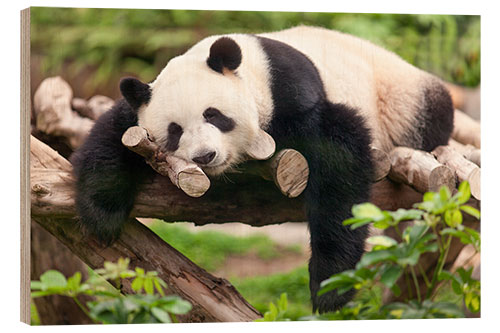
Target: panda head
200,109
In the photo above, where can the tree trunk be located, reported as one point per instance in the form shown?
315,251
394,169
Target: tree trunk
48,253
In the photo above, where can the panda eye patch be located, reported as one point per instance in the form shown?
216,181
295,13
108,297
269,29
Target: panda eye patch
174,135
216,118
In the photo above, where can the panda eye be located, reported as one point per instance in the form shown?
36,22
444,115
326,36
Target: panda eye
174,135
216,118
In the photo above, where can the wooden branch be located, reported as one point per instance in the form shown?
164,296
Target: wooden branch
468,151
420,170
253,200
94,107
464,169
466,130
214,299
54,116
186,176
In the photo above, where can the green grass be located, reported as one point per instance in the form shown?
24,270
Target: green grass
209,249
261,290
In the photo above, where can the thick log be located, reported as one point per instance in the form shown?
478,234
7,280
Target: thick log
54,116
253,200
466,130
420,170
52,195
464,169
214,299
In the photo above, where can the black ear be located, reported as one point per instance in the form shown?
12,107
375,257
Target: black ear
224,54
135,92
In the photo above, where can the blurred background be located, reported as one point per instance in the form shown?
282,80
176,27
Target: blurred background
93,48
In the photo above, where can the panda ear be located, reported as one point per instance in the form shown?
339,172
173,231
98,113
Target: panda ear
224,54
262,148
135,92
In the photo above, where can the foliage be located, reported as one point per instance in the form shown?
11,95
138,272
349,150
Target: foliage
115,42
110,306
436,221
277,312
210,249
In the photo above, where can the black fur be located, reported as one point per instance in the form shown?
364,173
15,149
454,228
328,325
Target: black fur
335,141
107,174
174,135
224,53
215,117
135,92
437,116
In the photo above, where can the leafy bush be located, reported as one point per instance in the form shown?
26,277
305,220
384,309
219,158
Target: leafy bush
110,306
436,221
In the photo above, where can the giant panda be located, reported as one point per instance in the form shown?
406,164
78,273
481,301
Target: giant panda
327,94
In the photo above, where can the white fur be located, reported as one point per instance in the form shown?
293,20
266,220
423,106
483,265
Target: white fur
187,87
355,72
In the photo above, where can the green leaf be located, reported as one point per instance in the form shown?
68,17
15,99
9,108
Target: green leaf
137,284
74,281
453,218
471,211
367,210
391,275
176,305
370,258
139,271
396,290
444,194
407,214
472,302
283,302
410,259
161,315
357,222
158,287
53,279
463,192
148,286
383,241
429,196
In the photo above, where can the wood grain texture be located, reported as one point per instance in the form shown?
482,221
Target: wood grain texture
53,113
420,170
463,168
468,151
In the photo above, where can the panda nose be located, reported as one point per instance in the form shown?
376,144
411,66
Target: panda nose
205,158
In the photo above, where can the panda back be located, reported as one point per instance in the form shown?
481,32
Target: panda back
391,94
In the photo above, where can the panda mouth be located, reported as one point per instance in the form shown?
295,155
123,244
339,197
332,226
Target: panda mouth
218,168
